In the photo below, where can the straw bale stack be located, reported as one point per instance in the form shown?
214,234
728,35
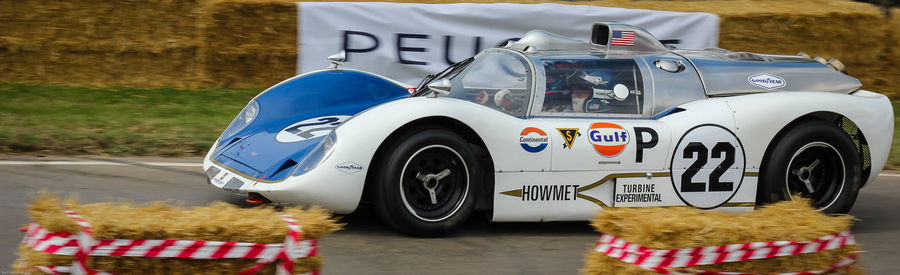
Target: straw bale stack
681,227
253,43
103,43
857,39
250,43
217,222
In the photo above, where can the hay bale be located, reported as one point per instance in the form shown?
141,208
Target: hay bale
250,43
217,222
147,43
858,39
253,43
682,227
171,67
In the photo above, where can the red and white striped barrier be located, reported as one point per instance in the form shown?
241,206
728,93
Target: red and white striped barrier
83,245
673,261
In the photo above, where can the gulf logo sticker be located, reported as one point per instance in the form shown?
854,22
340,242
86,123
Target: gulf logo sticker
609,139
533,139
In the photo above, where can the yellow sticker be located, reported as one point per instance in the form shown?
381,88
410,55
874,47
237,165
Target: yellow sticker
569,135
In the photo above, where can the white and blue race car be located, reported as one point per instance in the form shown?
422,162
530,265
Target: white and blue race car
550,129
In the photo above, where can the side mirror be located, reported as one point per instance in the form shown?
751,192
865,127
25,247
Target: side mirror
440,86
620,92
337,59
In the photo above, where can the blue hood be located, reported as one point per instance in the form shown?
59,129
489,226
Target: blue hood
276,140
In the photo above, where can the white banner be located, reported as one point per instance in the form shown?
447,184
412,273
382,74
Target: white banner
407,41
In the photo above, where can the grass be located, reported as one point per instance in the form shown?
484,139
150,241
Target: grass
114,121
41,119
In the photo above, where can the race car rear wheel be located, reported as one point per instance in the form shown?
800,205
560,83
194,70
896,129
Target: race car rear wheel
428,183
815,160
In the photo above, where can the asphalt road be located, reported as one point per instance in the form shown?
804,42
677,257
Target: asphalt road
365,246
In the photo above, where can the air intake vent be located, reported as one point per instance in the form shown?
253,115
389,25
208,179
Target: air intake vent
616,38
232,141
286,165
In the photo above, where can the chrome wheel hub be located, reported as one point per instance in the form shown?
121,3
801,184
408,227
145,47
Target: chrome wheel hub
430,182
816,171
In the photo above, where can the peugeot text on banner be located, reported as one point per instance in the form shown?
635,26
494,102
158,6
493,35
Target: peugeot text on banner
407,41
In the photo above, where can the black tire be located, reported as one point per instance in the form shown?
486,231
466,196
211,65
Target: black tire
414,164
815,160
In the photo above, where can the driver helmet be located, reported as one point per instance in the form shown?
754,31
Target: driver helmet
587,86
504,99
582,86
557,72
597,79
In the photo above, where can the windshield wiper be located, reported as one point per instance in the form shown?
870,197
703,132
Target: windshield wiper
423,85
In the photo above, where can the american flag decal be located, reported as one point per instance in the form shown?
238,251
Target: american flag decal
622,38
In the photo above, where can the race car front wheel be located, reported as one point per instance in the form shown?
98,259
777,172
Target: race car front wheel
815,160
428,183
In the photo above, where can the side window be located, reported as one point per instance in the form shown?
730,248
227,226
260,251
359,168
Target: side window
604,86
498,80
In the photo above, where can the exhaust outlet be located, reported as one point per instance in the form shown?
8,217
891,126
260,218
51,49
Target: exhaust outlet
833,63
821,60
256,198
837,65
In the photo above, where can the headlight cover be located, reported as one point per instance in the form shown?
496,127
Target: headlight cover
318,154
247,115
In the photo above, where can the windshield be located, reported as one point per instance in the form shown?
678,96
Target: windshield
422,88
497,79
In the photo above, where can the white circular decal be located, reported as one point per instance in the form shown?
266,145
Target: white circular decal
310,128
708,166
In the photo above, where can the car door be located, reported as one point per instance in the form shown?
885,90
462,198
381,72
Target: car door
600,112
601,133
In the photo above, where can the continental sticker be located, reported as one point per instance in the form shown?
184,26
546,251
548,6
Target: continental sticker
533,139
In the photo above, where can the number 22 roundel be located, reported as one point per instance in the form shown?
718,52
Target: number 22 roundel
707,166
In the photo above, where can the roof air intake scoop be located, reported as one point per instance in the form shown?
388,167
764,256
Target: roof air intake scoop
616,38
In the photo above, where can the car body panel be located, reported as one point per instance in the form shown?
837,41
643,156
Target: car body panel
871,112
725,72
290,126
672,88
584,155
556,164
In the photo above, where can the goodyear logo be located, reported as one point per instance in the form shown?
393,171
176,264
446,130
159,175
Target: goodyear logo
533,139
608,139
767,81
